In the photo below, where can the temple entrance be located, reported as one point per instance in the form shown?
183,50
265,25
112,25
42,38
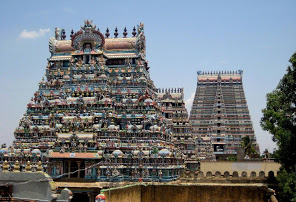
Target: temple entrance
79,197
75,166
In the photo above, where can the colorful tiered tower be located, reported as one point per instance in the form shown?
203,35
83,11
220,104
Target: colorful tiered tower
220,115
97,110
172,100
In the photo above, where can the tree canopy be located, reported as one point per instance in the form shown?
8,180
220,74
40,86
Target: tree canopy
279,118
247,144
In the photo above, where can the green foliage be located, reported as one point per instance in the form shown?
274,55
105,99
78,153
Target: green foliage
287,184
247,144
279,118
232,158
266,154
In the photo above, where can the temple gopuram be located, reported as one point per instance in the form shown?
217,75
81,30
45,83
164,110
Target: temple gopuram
220,116
173,104
97,119
97,115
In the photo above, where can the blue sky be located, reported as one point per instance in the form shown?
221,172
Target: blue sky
182,38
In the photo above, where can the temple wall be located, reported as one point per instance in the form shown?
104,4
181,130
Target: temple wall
189,193
129,194
247,166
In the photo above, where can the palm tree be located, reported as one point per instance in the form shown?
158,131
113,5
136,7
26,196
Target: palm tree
248,146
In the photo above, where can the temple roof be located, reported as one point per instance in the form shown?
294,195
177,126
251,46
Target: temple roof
223,75
88,41
111,44
119,44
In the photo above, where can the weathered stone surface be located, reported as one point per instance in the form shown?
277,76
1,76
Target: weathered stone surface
190,193
34,186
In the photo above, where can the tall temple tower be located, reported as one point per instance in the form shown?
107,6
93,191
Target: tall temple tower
96,115
220,117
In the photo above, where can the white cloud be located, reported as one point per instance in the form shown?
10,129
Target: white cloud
33,34
189,101
69,10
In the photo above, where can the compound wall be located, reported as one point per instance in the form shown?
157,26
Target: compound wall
248,167
189,193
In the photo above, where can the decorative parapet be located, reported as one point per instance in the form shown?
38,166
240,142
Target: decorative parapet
240,72
232,171
169,90
244,176
16,166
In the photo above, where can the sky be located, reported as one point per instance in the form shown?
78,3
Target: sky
182,37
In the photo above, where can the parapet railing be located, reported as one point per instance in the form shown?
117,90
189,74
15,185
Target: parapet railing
191,175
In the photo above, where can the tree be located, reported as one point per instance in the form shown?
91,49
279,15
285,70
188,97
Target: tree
247,144
279,118
266,154
232,158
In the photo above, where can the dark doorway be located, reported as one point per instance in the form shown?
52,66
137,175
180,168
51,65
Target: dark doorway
82,172
80,197
74,167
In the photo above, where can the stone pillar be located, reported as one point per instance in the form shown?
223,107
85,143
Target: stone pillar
78,164
91,197
69,168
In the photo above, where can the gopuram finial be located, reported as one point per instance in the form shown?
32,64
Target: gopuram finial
124,32
134,33
116,32
107,34
63,37
72,32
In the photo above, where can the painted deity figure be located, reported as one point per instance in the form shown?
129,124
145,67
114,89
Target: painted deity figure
72,61
73,145
58,171
101,60
63,149
146,173
93,61
80,148
85,148
48,65
98,172
141,41
160,174
80,62
89,170
115,172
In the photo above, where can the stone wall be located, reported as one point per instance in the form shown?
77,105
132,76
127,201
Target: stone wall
232,172
249,168
32,186
189,193
129,194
